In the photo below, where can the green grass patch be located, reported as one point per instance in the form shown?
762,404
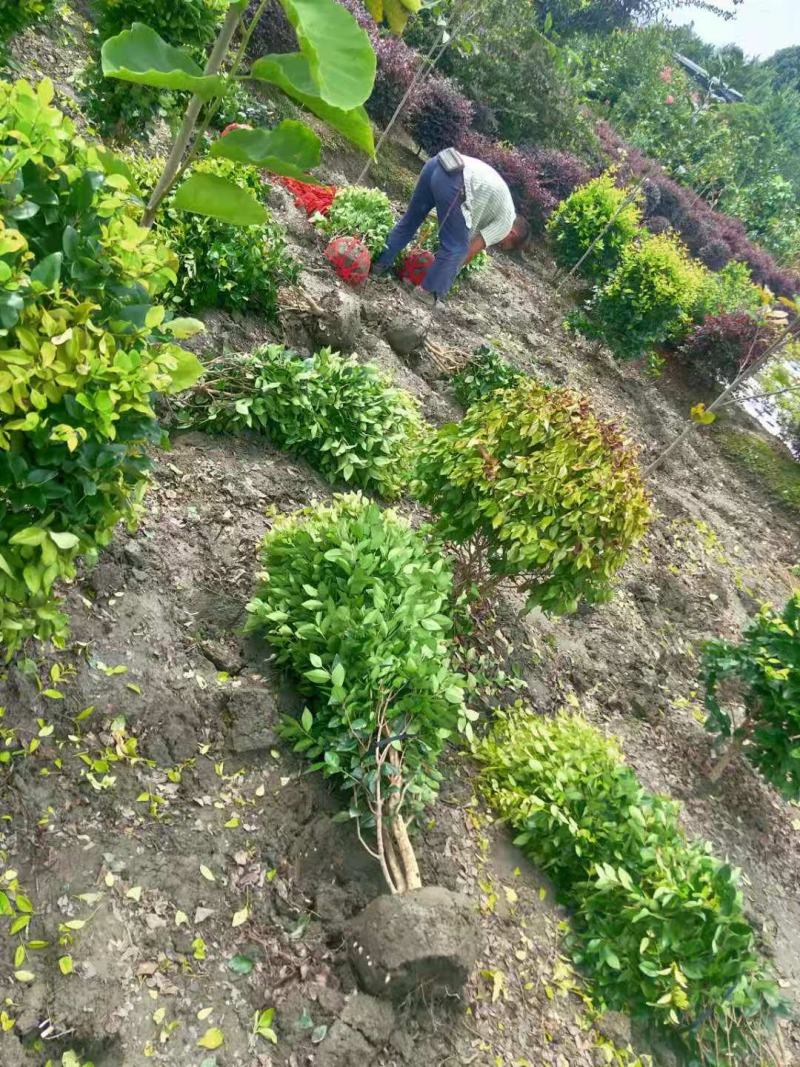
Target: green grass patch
770,462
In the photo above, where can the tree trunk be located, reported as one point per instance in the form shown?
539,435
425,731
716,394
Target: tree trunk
722,764
181,142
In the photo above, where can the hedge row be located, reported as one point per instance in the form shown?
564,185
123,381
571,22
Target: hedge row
711,236
648,291
657,920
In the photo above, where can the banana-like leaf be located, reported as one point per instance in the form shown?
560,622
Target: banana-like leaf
396,12
292,74
291,148
139,55
208,194
339,53
396,15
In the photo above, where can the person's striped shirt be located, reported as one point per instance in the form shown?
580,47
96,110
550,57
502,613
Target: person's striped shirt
488,207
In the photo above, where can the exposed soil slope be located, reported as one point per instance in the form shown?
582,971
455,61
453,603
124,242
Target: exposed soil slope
206,844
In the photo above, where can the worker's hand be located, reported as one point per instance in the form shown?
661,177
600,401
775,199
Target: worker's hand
477,244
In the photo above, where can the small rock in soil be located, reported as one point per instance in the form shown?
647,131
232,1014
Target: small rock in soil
372,1017
341,326
345,1047
408,331
425,939
253,712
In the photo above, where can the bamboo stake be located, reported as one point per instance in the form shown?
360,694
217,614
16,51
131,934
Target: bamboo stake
743,376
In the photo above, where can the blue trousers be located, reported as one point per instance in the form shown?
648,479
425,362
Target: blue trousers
435,188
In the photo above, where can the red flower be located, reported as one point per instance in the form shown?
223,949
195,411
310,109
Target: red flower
666,74
670,99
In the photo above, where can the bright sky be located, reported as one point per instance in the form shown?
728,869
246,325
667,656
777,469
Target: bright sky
760,27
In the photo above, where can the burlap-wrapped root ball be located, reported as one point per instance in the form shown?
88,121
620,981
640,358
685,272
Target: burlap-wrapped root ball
350,259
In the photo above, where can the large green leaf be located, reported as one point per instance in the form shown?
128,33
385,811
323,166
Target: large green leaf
208,194
292,74
338,51
188,370
139,55
291,148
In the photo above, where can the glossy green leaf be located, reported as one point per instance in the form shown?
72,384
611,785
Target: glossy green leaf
339,53
291,148
139,55
292,74
48,270
30,535
114,164
189,370
217,198
65,540
181,328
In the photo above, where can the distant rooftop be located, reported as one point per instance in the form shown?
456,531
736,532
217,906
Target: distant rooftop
717,88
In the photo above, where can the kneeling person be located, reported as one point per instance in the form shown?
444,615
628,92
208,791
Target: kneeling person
475,211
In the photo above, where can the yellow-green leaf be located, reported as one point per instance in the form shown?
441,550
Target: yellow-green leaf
211,1039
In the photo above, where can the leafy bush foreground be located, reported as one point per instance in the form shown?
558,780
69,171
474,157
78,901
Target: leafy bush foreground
531,485
84,348
657,921
344,417
763,671
239,268
483,374
357,605
359,212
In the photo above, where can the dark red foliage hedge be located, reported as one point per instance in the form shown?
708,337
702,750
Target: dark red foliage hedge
710,235
274,32
723,345
559,172
396,66
657,223
520,173
440,116
715,254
